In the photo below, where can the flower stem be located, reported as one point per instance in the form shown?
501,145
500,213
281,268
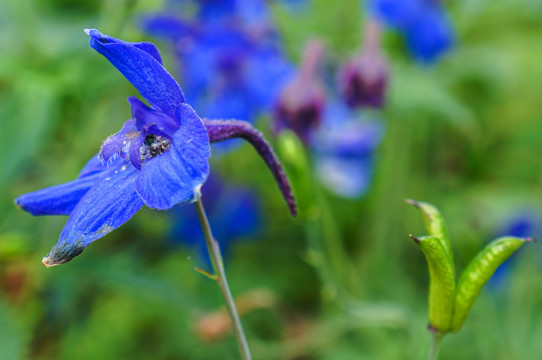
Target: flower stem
218,267
436,339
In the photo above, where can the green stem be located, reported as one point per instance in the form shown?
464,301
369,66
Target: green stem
436,339
218,267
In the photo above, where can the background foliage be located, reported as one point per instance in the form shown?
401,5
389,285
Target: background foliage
343,281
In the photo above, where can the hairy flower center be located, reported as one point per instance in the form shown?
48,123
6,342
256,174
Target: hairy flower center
153,146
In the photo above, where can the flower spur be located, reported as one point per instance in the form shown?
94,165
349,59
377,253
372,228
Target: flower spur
159,158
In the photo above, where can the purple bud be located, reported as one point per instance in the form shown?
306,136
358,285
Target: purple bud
302,101
221,130
363,79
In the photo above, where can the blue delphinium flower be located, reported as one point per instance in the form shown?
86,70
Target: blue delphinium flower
233,214
424,23
229,56
344,148
159,158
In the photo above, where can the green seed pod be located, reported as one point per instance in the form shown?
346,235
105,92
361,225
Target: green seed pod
478,272
435,226
441,283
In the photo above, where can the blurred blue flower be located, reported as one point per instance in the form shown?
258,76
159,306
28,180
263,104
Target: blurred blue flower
424,23
159,158
344,148
229,56
233,214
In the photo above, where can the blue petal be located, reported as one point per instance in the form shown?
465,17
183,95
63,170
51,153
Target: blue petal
349,178
59,199
141,69
344,147
147,47
199,70
266,73
107,205
396,13
351,139
232,103
216,10
431,35
135,151
254,12
119,143
96,164
176,176
145,117
150,49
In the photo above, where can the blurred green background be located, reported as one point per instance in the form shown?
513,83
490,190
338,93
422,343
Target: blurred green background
342,281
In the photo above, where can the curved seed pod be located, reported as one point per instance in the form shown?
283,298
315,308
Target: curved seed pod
435,226
441,283
478,272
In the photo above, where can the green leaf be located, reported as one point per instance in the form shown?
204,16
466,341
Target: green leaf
441,282
478,272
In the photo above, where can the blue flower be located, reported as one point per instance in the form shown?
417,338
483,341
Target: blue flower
159,158
229,57
344,150
424,23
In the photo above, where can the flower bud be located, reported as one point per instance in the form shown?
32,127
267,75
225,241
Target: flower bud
363,79
301,102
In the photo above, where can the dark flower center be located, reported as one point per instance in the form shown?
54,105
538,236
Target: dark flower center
153,146
363,91
302,119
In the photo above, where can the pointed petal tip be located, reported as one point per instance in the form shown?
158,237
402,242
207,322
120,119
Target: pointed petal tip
48,262
93,33
63,252
16,202
20,203
133,100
